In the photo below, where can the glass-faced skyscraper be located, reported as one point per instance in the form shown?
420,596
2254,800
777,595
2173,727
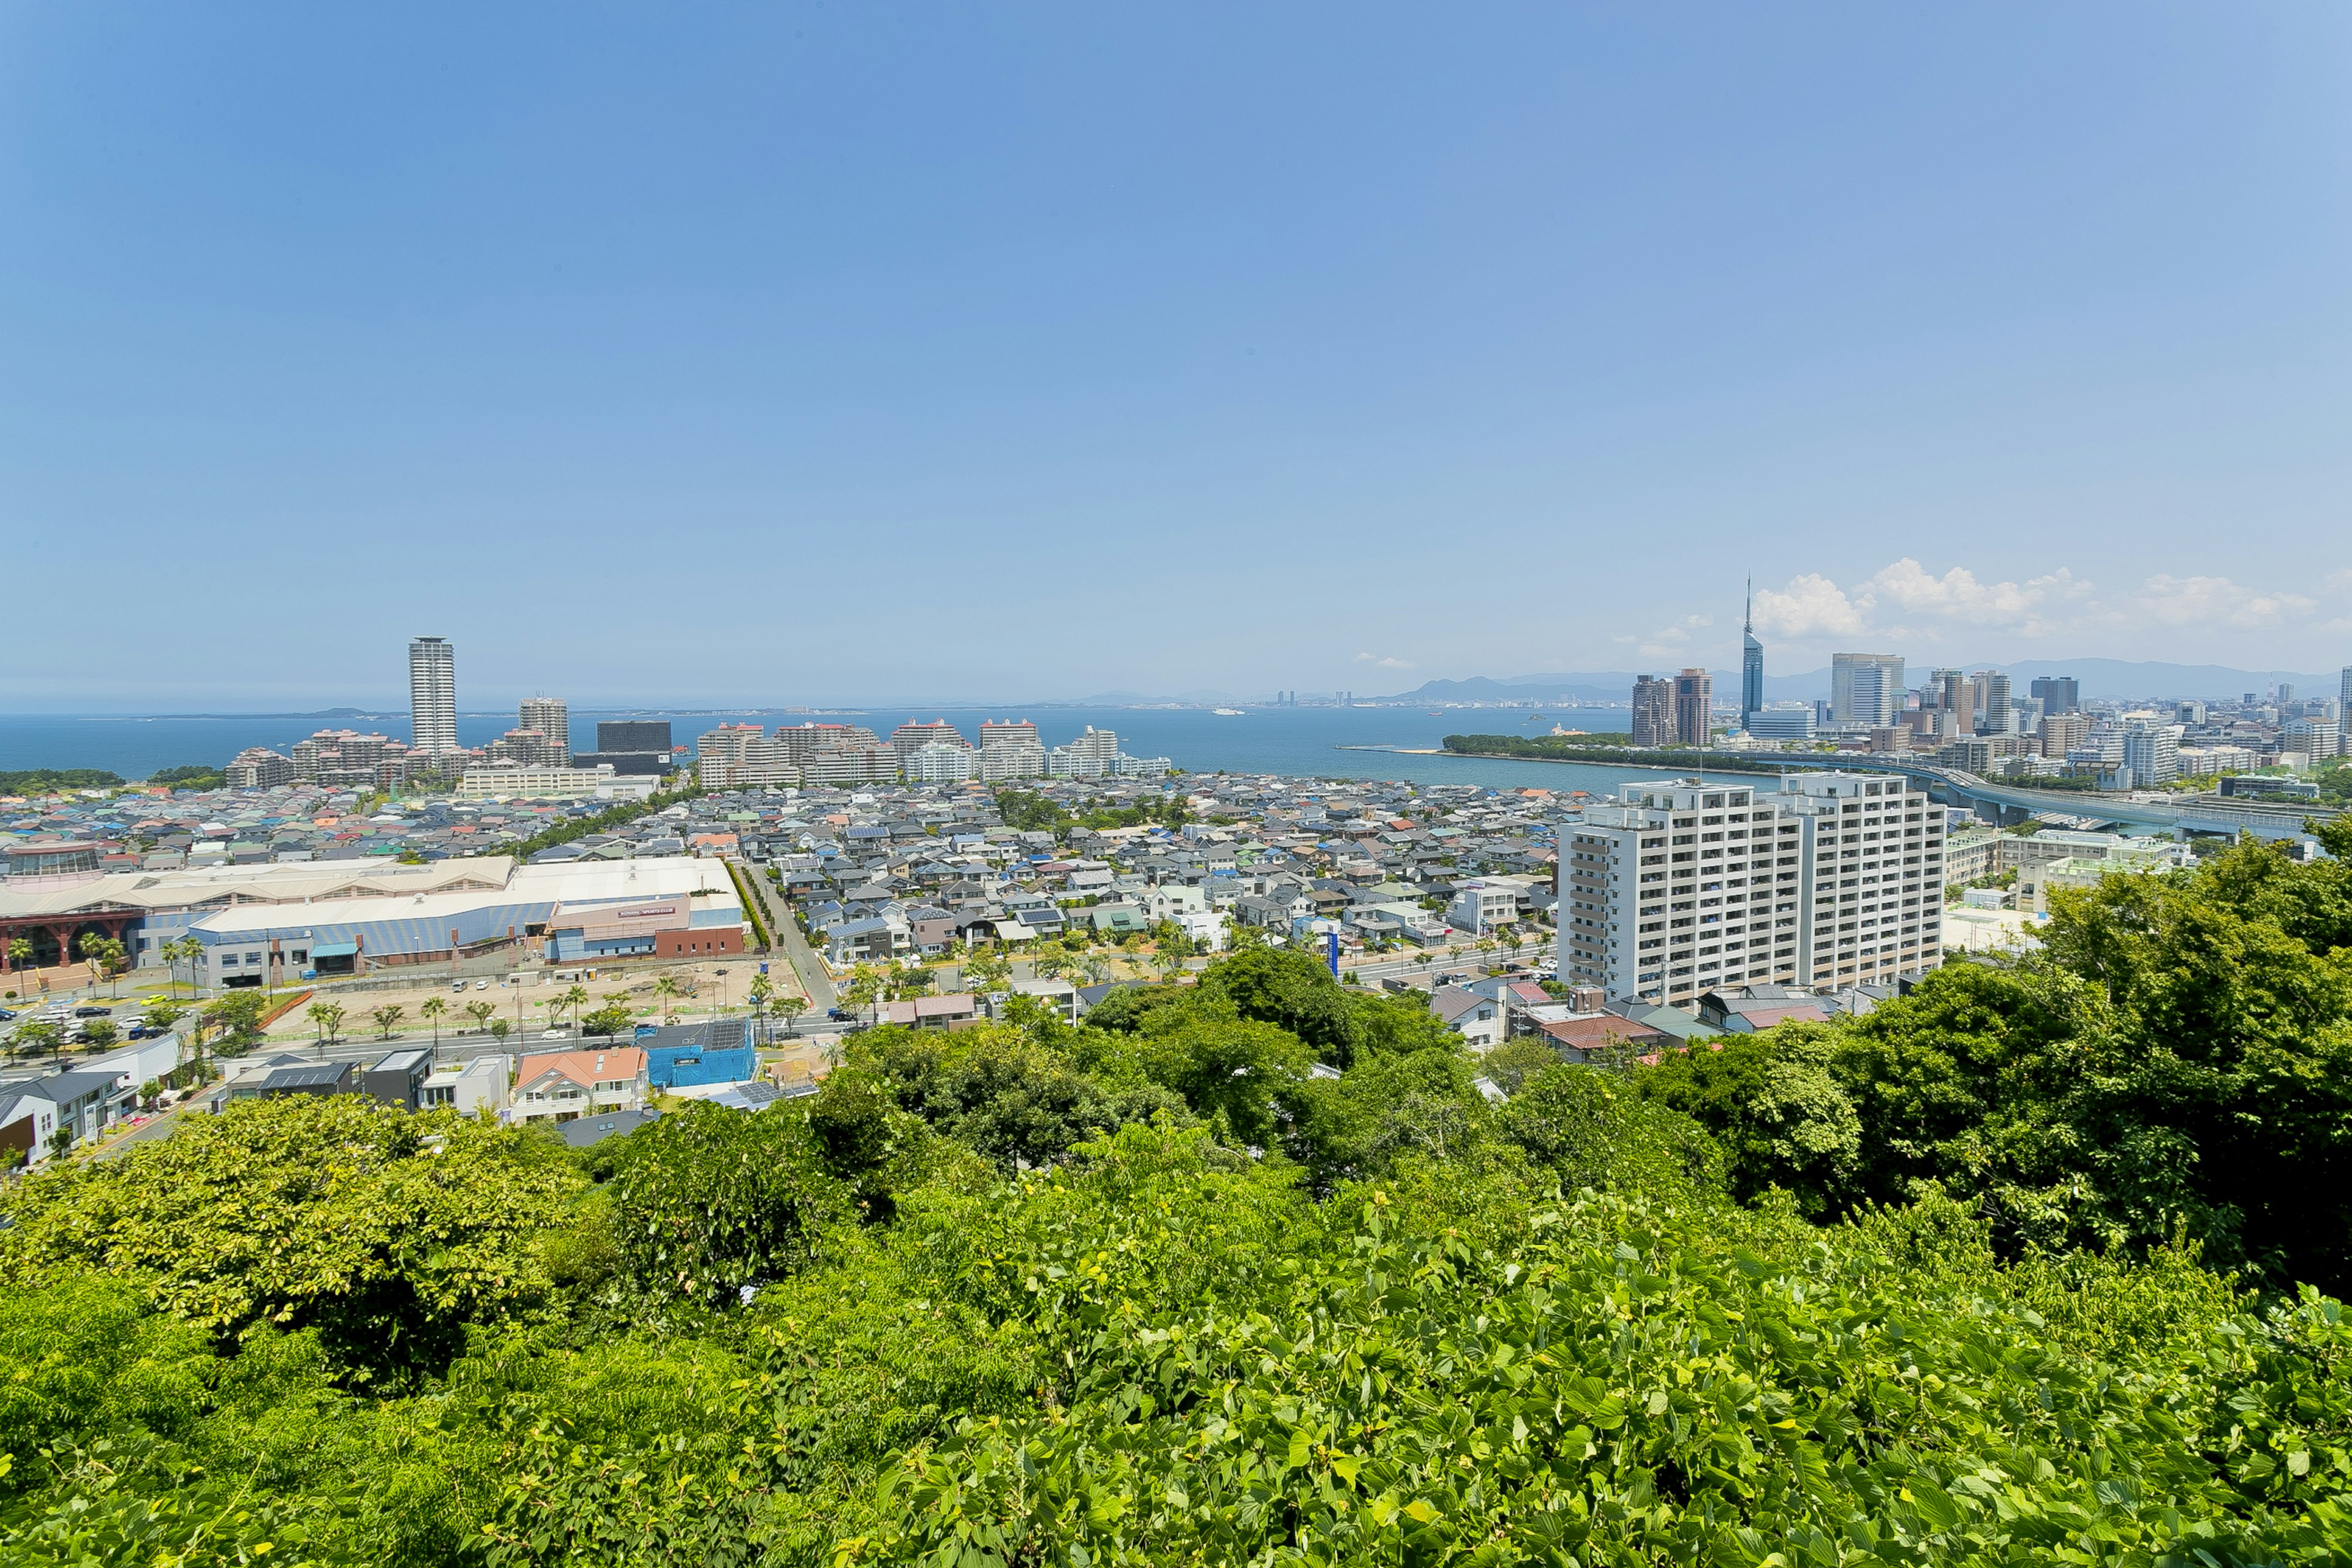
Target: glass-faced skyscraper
1751,663
432,696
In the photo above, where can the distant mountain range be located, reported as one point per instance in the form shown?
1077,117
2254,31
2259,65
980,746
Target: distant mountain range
2099,677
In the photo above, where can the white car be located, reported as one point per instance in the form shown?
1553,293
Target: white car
556,1035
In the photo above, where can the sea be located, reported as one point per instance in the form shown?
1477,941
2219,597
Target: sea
1384,742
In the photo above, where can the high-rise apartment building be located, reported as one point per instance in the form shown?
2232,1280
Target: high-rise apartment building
1653,710
1752,664
2059,694
432,697
1010,750
1950,690
1679,886
2152,752
2063,733
1865,688
1992,703
735,756
551,717
1694,707
911,738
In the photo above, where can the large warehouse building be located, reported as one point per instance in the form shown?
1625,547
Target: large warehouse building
265,923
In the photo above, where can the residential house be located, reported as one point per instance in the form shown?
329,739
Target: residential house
1477,1019
561,1085
1751,1008
474,1086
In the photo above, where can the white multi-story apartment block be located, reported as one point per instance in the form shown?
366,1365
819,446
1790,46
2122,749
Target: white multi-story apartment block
938,761
1682,885
2152,752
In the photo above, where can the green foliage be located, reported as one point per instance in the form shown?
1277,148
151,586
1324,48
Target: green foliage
605,1021
50,781
1834,1295
305,1212
192,775
708,1201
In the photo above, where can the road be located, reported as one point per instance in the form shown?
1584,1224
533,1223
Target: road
778,914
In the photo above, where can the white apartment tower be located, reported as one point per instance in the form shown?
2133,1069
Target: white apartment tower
1680,885
432,697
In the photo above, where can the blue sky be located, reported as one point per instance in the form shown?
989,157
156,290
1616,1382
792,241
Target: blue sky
810,352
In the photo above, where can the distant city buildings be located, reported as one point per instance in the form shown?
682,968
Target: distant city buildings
1865,688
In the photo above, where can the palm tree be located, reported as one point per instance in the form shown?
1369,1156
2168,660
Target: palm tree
759,991
385,1017
433,1007
570,1000
328,1016
20,951
668,990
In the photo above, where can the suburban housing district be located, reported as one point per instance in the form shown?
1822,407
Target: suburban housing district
357,875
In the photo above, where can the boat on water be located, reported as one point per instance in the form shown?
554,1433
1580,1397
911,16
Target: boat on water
1228,712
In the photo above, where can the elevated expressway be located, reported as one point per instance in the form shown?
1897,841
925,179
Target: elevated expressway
2187,814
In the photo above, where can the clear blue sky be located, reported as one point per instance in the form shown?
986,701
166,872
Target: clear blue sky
804,352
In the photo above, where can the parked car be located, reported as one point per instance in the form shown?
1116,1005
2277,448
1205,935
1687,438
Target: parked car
458,986
479,985
93,1011
5,1015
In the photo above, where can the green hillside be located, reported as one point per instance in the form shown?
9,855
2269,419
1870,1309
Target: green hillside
2030,1266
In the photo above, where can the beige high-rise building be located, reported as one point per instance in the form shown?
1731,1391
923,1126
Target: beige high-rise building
432,697
551,717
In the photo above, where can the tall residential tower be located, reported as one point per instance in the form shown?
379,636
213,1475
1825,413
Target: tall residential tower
432,697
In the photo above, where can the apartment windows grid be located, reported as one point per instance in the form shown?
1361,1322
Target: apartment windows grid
432,697
551,717
1653,710
1836,878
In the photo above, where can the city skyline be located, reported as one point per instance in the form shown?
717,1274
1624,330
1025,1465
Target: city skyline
1992,334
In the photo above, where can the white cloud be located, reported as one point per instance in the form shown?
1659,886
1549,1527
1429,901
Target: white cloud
1907,600
1668,641
1377,662
1905,603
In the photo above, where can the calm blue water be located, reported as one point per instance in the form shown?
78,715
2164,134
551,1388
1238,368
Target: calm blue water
1302,741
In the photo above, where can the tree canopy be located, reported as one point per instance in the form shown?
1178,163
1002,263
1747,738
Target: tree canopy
2027,1265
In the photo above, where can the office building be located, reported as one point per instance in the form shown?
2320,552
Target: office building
1653,710
1992,703
632,735
2344,692
550,717
1694,707
2285,693
1751,665
432,697
1679,886
1785,722
638,747
2059,694
1865,688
